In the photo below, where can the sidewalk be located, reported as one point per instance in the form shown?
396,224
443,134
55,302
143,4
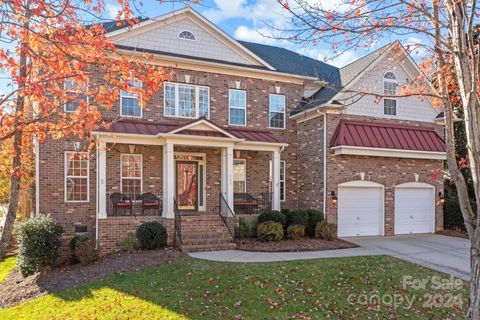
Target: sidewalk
249,256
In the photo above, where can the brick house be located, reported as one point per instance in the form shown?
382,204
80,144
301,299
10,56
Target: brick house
245,127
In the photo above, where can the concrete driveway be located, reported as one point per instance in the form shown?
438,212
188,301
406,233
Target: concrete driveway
446,254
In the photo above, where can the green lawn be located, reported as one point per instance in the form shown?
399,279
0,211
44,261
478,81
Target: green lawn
6,266
196,289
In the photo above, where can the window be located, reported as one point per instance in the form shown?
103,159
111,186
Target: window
76,176
130,102
390,89
186,101
76,93
239,176
237,102
186,35
131,175
277,111
283,191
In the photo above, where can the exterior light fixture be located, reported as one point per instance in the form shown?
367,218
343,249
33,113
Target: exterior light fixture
333,198
440,199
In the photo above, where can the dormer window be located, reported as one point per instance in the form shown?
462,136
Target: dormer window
187,35
389,89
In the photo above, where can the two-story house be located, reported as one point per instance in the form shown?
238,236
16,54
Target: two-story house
243,127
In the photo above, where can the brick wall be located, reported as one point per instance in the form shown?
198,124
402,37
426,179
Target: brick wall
113,229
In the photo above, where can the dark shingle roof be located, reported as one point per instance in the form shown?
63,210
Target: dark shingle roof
291,62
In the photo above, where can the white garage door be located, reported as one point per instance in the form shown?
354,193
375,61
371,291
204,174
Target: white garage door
360,209
414,208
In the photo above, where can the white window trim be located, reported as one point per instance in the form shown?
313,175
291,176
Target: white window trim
284,111
65,89
197,100
390,98
66,153
126,94
237,108
193,33
245,177
284,179
135,178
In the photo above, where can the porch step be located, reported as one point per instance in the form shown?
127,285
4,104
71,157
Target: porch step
207,247
205,233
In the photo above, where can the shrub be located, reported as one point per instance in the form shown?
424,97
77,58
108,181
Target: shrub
39,239
245,228
152,235
128,243
296,231
314,217
284,211
273,215
297,217
325,231
270,231
86,252
74,244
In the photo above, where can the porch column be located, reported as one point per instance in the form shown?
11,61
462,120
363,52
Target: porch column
227,175
168,175
102,179
276,179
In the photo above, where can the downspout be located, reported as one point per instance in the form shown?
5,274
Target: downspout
96,197
324,163
37,176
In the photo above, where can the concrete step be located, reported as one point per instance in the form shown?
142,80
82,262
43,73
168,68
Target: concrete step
207,247
206,241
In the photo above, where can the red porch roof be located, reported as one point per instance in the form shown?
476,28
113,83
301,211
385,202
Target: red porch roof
150,128
388,136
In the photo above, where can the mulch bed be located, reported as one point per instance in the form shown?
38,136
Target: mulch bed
290,245
15,289
453,233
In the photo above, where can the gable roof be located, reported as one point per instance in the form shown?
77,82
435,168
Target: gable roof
272,58
347,75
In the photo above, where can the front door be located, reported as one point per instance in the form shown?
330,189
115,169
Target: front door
187,185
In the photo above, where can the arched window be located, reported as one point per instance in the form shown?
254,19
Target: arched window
187,35
390,89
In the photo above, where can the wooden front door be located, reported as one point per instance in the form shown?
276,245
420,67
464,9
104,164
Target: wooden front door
187,185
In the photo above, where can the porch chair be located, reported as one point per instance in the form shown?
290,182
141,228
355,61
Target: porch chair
119,200
245,201
150,202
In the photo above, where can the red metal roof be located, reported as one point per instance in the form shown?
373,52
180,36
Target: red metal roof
149,128
388,136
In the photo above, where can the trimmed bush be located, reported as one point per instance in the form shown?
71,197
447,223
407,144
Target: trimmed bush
270,231
152,235
273,215
74,244
325,231
297,217
39,239
86,252
314,217
245,228
296,231
128,243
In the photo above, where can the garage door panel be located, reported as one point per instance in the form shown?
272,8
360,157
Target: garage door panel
414,210
359,211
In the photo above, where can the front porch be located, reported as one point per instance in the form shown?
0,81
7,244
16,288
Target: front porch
186,173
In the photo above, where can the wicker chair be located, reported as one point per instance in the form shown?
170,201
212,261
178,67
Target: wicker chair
150,202
119,200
